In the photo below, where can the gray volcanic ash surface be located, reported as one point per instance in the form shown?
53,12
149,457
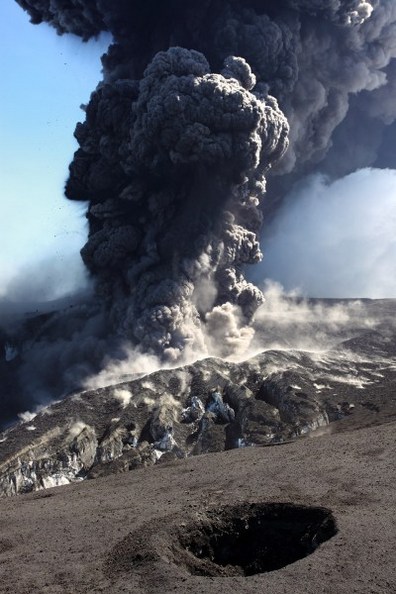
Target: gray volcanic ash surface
131,532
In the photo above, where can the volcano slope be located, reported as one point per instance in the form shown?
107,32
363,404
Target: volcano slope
311,515
314,515
278,395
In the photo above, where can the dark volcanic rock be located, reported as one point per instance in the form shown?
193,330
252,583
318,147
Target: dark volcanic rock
209,406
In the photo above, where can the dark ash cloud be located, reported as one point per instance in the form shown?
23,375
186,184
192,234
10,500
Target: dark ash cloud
198,104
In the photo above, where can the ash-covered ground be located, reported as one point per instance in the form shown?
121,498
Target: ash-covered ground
314,515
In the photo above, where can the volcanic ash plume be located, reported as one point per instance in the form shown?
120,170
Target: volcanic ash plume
326,61
182,179
177,143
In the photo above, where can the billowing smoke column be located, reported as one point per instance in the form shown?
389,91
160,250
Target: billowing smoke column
177,142
173,165
181,158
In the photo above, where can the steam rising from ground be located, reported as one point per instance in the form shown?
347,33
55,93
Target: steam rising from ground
289,321
286,321
351,224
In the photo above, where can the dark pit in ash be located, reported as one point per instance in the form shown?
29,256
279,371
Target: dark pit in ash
254,538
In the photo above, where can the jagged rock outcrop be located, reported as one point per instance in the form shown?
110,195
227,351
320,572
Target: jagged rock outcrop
209,406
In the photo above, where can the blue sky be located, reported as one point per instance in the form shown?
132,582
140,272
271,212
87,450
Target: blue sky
44,80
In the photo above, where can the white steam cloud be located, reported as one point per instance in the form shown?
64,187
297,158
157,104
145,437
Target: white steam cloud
288,321
47,279
335,239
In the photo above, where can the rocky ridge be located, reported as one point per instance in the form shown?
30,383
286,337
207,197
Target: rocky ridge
209,406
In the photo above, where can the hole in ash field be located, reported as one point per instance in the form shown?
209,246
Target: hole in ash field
253,538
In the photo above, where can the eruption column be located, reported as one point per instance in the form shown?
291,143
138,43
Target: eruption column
176,142
178,207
